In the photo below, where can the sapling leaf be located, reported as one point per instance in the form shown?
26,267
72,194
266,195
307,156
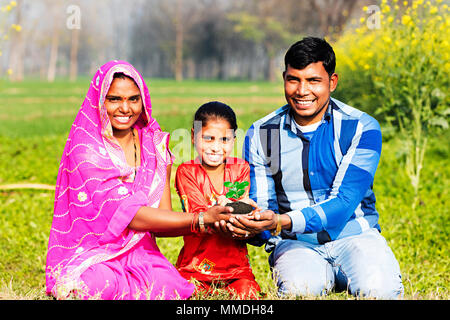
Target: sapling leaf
228,184
230,194
242,185
236,189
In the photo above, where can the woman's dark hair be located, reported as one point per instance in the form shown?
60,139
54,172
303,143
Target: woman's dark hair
214,110
310,50
123,76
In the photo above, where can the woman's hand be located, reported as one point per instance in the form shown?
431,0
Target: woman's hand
222,200
216,214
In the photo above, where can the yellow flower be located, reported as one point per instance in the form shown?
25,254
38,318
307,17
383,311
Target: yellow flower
406,20
9,71
433,10
8,8
405,3
16,27
362,20
13,3
366,67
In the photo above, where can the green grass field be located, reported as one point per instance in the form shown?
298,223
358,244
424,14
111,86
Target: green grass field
35,118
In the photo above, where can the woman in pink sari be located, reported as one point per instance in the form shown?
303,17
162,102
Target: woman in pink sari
113,197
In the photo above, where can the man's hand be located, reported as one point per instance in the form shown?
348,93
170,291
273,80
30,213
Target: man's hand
244,227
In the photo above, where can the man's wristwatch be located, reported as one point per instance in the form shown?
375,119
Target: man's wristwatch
277,230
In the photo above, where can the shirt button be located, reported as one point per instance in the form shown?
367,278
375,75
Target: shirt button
311,173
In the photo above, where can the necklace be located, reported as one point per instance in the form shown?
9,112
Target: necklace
135,153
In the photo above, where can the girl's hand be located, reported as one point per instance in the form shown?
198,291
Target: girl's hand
220,227
227,229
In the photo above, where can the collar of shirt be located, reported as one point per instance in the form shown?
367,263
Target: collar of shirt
289,122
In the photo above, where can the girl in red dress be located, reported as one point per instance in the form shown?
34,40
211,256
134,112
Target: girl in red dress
213,258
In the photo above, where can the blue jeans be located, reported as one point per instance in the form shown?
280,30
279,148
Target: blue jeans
362,264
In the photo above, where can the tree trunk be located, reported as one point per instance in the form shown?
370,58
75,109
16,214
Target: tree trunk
179,42
74,54
272,69
17,48
53,55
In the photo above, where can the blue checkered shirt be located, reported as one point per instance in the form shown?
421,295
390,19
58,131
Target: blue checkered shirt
324,183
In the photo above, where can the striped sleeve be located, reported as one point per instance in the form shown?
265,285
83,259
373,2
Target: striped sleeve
262,186
354,177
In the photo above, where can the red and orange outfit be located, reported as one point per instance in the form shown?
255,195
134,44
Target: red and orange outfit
212,258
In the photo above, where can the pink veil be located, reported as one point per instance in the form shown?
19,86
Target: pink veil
95,196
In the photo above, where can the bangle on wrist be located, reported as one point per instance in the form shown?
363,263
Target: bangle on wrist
194,223
201,222
277,230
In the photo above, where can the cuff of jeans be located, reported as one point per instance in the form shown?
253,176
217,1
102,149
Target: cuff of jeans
298,221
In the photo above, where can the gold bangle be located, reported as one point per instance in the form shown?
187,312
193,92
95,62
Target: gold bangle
278,228
201,222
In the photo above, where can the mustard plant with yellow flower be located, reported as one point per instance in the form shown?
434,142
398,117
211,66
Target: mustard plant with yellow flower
5,28
401,72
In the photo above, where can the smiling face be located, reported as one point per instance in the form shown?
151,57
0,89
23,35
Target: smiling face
308,91
123,104
214,142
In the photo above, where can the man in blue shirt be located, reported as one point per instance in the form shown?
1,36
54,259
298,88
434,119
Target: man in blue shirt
312,165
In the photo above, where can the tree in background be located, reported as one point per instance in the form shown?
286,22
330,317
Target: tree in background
259,22
54,12
13,33
5,27
222,39
332,15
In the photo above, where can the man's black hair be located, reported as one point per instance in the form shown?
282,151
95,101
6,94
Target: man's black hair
310,50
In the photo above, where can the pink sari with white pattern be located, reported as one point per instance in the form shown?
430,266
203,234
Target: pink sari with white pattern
91,251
